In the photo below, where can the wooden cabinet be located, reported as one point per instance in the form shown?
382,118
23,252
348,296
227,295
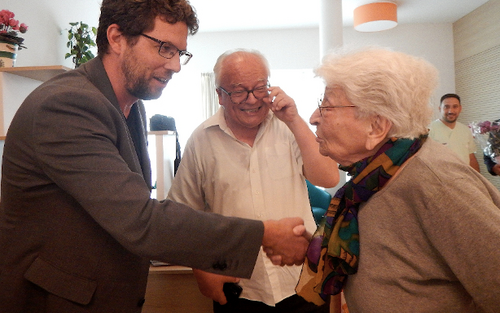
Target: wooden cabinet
173,289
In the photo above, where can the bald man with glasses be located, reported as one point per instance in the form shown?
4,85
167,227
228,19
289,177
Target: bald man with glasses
251,160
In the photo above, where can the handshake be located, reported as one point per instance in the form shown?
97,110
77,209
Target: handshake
285,242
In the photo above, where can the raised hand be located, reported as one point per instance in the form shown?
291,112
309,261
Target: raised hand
282,105
285,241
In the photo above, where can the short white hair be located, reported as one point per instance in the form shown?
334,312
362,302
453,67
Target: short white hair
383,82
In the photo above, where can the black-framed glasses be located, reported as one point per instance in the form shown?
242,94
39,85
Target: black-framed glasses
240,96
320,107
168,50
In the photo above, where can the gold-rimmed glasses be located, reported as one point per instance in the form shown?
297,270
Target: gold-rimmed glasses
323,107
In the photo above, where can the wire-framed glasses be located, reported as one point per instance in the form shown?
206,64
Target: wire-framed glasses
323,107
168,50
240,96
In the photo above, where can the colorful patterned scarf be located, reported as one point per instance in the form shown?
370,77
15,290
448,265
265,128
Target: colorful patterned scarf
334,250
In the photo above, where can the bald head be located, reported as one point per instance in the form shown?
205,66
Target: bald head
236,63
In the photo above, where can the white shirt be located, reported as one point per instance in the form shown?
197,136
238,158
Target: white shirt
458,139
221,174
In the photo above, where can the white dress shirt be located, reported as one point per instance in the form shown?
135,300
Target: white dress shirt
221,174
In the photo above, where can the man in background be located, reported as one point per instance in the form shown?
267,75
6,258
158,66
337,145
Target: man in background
77,225
453,134
250,160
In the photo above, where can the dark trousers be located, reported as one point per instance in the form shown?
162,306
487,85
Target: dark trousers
293,304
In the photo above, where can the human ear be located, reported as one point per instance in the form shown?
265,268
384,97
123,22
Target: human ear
378,129
219,94
115,38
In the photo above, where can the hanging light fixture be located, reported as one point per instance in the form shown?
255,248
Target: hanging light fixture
374,17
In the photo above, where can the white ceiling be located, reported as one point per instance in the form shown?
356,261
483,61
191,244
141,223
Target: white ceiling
227,15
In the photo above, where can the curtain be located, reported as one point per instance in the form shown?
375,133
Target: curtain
209,98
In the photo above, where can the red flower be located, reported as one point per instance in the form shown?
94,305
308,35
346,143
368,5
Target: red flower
10,28
23,28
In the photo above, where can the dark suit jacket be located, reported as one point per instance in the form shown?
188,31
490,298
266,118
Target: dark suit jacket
77,225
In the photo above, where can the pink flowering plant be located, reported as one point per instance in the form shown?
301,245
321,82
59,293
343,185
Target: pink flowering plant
488,135
10,29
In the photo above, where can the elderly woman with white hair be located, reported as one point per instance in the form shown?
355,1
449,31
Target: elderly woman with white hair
415,229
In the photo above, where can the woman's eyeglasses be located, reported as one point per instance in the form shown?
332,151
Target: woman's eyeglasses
320,107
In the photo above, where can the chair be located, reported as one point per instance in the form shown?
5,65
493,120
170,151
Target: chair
319,200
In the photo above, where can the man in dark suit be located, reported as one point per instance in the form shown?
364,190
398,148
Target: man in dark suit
77,225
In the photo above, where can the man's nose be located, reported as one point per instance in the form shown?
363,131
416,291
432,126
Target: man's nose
173,64
251,97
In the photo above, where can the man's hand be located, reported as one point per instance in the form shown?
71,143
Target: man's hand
285,241
282,105
211,285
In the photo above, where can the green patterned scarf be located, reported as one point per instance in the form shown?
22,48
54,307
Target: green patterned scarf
334,249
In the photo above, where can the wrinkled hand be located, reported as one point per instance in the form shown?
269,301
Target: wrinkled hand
282,105
285,241
211,285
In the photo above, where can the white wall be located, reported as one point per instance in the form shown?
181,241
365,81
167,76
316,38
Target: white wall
292,48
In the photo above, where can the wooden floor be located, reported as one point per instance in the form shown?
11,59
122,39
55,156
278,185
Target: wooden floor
173,289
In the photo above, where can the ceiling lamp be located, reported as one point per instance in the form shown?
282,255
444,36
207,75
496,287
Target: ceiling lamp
374,17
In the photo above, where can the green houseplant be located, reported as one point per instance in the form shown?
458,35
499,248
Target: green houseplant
81,37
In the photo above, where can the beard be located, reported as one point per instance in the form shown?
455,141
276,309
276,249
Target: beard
450,119
136,81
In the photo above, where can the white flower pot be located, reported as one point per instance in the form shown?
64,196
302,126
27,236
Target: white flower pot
8,53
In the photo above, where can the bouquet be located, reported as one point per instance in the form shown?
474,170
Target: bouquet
10,29
488,135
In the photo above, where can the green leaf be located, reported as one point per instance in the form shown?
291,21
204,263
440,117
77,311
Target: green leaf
81,38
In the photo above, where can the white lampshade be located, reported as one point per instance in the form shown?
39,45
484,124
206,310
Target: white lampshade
374,17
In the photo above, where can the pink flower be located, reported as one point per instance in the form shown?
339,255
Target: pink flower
5,16
23,28
487,134
13,23
10,28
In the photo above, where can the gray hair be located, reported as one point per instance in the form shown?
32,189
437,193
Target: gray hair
382,82
219,65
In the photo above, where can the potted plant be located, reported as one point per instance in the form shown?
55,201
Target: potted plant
10,42
80,39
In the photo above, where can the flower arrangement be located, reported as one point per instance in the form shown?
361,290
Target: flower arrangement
10,29
488,135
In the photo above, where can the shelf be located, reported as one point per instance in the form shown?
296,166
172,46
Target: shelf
41,73
170,269
161,132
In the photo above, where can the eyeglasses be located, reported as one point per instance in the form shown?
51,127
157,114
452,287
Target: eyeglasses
168,50
240,96
320,101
